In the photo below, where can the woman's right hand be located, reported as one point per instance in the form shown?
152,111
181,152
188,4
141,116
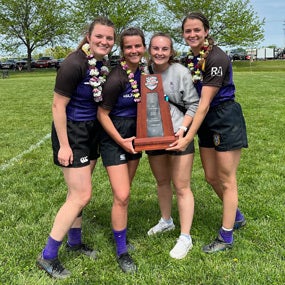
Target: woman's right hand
65,155
127,144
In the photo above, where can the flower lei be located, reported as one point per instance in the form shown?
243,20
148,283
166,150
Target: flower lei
98,77
196,70
133,82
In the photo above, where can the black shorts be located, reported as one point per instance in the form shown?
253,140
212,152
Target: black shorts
83,139
223,128
190,149
111,152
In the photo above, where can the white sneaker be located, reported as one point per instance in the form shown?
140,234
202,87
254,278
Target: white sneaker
161,227
181,248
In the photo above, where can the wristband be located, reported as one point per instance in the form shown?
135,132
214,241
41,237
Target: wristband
183,128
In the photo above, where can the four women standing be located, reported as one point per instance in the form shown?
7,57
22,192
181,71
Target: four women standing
218,121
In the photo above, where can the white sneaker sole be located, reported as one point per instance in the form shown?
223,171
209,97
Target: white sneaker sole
151,233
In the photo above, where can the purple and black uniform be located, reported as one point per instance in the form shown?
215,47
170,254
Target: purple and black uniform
218,73
118,98
83,128
72,81
224,126
117,94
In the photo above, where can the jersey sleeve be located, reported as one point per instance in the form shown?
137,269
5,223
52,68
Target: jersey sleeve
70,74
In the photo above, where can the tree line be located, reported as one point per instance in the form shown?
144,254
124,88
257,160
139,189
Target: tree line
36,24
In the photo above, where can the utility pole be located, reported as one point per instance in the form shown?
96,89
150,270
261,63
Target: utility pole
284,32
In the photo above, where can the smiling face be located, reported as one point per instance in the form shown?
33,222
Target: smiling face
133,50
194,34
101,40
160,50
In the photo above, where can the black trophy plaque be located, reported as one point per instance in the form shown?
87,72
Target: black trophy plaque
154,125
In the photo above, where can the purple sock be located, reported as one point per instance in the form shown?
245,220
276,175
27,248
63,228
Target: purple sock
51,249
227,235
121,241
239,215
74,236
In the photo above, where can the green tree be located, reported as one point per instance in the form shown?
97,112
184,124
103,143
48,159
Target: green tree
32,24
233,22
39,23
123,13
59,51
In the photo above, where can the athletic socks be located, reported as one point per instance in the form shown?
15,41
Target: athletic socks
227,235
121,241
52,246
74,236
51,249
170,221
239,215
186,236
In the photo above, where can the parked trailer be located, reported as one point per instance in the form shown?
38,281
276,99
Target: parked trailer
265,53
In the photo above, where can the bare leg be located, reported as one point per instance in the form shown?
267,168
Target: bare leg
181,172
120,178
79,185
160,168
78,221
220,172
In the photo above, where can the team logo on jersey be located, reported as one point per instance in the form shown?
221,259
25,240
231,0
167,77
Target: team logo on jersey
151,82
217,71
216,139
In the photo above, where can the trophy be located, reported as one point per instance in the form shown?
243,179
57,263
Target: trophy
154,125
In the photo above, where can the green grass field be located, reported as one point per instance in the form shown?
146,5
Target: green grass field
32,190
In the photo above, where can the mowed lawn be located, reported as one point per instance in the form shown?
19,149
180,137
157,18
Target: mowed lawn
32,190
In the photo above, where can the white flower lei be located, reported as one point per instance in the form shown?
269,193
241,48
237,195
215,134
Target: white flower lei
98,77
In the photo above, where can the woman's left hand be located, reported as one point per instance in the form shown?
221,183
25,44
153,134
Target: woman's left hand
180,134
178,145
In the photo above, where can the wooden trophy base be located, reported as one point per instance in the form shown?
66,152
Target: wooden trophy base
154,143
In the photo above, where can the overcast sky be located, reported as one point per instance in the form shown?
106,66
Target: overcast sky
274,13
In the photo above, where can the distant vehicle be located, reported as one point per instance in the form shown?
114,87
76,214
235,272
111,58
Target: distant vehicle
237,54
280,53
9,64
45,61
58,63
23,63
